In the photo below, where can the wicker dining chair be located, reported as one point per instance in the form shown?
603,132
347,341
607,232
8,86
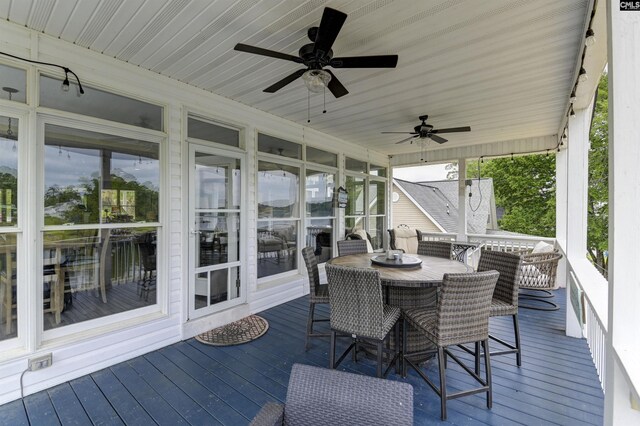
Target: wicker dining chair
505,296
318,293
461,316
347,247
358,311
435,249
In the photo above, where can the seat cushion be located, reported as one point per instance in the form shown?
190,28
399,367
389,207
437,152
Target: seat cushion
543,247
406,239
363,235
424,319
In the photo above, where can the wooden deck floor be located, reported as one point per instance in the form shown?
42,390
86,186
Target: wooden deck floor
190,383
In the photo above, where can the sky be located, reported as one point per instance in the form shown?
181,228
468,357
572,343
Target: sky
421,173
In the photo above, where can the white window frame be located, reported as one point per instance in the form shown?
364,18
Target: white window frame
323,169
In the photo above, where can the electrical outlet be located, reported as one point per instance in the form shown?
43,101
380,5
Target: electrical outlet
40,362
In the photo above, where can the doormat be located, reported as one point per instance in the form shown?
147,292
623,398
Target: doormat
238,332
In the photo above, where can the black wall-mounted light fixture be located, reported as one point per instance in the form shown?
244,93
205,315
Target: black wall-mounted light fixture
67,71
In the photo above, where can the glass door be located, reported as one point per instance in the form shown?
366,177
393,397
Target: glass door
216,236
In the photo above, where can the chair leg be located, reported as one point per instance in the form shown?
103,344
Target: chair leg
516,331
477,357
332,351
379,348
404,347
312,307
487,368
443,384
397,346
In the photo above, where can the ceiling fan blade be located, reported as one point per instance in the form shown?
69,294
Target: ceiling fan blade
336,87
380,61
402,133
288,79
407,139
452,130
437,138
330,25
266,52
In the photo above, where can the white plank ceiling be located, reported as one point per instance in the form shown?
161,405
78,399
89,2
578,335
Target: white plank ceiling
503,67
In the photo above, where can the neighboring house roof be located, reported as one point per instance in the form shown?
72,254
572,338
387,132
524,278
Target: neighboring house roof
439,199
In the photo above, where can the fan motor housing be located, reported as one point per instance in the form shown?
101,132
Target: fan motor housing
311,60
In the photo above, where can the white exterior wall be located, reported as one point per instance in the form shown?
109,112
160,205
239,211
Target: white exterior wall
77,354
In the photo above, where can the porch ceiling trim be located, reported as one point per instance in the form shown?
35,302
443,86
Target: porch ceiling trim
503,148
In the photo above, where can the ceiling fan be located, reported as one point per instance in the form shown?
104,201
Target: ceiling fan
318,54
425,130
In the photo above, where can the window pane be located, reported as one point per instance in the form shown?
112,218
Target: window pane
319,193
322,157
277,251
216,286
278,190
355,165
377,170
376,230
355,200
14,84
217,182
98,178
276,146
201,129
351,223
320,237
8,171
89,274
219,238
8,284
377,197
100,104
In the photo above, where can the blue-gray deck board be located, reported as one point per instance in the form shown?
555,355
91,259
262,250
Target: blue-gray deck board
191,383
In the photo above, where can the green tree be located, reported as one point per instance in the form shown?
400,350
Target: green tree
525,187
598,194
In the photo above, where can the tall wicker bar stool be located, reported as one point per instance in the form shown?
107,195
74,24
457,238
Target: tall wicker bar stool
435,249
347,247
461,316
318,293
357,310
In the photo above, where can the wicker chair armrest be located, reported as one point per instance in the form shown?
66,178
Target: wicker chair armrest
271,414
540,258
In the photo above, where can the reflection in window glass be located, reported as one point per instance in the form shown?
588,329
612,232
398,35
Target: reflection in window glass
281,147
377,197
202,129
355,200
100,104
92,273
216,286
355,165
377,170
278,190
319,193
8,171
217,182
98,178
219,238
277,251
9,286
322,157
376,230
320,238
14,84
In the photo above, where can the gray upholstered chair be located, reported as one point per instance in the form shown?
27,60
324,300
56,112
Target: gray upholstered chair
318,396
505,296
357,311
318,293
435,248
403,238
461,316
347,247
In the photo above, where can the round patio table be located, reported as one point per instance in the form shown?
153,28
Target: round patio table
409,288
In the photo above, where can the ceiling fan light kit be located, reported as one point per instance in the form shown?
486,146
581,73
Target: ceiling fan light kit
316,80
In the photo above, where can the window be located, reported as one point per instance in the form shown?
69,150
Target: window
100,104
200,128
319,156
319,189
14,84
112,184
278,217
272,145
8,224
366,208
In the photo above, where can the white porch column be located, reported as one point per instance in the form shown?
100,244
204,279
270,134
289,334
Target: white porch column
623,345
462,200
577,188
562,211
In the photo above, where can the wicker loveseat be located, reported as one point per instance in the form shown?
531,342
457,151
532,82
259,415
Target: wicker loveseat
319,396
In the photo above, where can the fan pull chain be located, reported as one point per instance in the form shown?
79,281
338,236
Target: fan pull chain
308,106
324,100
